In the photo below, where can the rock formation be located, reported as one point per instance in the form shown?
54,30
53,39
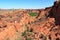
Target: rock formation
55,12
19,25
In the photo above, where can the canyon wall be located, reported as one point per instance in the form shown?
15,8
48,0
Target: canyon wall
55,12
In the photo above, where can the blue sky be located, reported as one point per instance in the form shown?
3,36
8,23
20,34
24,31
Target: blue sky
25,4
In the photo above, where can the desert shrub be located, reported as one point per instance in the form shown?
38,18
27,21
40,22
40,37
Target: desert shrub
33,14
30,30
27,34
43,37
24,33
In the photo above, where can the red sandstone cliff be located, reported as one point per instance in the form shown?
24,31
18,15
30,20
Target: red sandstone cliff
56,12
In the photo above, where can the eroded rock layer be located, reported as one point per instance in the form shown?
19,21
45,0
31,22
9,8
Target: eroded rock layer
21,25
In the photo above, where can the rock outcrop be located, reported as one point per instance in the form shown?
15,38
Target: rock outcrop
55,12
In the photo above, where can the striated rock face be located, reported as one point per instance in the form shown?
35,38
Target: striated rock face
55,12
19,25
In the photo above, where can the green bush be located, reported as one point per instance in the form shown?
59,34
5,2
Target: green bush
24,33
33,14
